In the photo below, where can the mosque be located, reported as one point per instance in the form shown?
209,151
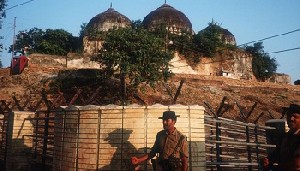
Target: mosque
176,22
237,65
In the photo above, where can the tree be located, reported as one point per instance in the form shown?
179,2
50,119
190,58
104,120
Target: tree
184,45
83,27
51,41
263,66
31,39
1,65
2,11
297,82
181,42
208,40
135,54
56,42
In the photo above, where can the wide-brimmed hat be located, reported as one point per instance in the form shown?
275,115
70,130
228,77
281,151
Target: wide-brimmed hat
293,108
169,115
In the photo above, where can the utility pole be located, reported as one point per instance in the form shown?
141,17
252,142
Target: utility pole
14,39
13,47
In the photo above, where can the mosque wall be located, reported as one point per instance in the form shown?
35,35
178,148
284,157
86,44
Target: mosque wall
233,64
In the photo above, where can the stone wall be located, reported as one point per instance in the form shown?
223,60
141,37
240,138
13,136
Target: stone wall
237,64
62,62
280,78
106,137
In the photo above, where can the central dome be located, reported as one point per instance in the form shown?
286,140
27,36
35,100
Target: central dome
166,15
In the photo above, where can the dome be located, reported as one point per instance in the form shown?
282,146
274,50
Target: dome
226,36
108,20
104,21
175,20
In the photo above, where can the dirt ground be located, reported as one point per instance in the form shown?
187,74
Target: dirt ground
241,95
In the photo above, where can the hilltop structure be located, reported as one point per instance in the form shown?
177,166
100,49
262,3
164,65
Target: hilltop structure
234,64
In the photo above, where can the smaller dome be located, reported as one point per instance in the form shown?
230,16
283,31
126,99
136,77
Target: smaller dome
108,20
169,16
226,36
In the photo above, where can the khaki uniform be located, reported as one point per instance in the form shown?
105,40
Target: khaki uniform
165,145
290,149
287,151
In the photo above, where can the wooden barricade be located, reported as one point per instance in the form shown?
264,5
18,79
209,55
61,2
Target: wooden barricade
234,145
18,143
3,126
106,137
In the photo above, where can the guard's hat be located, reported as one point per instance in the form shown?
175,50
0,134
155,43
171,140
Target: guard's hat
169,115
293,108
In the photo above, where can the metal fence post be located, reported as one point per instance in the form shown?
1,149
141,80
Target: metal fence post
248,148
218,145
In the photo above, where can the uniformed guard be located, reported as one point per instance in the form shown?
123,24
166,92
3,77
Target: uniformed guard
287,153
170,146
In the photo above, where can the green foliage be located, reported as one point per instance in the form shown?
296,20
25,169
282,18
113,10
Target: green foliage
137,24
82,29
31,39
263,66
297,82
208,40
3,4
135,54
184,45
1,47
56,42
51,41
2,15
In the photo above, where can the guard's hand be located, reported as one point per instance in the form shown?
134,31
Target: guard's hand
134,160
266,164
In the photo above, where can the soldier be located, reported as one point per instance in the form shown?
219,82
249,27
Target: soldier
287,155
170,145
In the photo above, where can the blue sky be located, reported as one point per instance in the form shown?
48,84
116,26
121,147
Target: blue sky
248,20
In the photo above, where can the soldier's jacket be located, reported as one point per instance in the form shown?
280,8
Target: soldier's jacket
285,153
290,149
165,144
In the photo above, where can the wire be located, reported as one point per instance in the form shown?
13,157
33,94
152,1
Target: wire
286,50
26,2
16,6
290,32
10,8
283,34
268,38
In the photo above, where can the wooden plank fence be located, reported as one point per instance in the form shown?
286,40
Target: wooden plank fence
52,136
234,145
105,137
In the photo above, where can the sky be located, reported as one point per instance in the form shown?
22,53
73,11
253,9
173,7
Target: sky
248,21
